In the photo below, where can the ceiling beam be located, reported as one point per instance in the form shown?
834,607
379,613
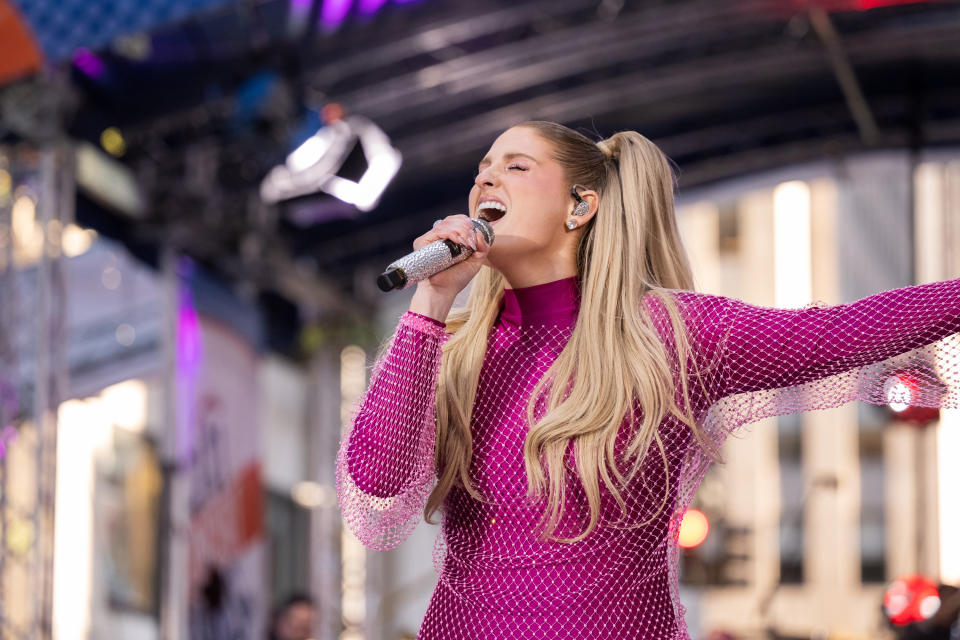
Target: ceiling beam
845,75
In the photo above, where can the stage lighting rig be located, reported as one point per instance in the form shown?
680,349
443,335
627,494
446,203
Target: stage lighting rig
320,162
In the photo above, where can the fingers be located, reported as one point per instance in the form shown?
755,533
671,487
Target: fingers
482,246
457,228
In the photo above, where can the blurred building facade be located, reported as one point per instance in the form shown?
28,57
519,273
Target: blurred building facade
815,513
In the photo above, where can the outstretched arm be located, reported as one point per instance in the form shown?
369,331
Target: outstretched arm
770,348
384,469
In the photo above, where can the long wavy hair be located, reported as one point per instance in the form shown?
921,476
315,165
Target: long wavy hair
613,359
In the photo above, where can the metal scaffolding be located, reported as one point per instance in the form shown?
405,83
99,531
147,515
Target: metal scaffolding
36,205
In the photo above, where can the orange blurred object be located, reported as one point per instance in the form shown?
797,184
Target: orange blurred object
19,55
332,112
693,529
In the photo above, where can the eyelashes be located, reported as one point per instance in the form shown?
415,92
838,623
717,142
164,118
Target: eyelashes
476,171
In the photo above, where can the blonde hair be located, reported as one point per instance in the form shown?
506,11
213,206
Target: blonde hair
613,358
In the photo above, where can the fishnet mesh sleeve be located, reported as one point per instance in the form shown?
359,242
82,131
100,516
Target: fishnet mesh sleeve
900,345
384,469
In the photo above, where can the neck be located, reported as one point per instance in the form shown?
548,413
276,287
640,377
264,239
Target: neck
525,263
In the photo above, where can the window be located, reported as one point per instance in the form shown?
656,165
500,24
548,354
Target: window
790,457
872,421
288,526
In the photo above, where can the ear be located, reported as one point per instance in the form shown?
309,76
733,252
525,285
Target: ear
592,198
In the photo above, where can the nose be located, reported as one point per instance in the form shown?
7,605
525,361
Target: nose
485,178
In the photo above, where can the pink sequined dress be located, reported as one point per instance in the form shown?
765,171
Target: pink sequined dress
496,578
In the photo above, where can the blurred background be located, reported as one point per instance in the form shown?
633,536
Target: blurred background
197,195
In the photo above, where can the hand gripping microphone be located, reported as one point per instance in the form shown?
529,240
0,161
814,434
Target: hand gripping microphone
428,260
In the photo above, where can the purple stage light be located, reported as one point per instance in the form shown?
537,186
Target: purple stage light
7,437
334,12
189,361
298,16
189,350
300,9
369,7
88,62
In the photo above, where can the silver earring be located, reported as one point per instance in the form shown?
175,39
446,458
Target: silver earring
571,224
582,208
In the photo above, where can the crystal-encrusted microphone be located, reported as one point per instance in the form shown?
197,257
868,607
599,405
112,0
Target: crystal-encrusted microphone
430,259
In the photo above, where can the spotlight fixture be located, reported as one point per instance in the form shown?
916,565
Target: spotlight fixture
319,163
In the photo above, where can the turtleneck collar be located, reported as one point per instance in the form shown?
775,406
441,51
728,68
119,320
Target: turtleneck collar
551,303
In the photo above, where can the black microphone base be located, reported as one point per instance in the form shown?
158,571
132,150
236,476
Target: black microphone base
392,279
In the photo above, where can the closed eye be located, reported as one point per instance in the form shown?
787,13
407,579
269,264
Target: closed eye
518,167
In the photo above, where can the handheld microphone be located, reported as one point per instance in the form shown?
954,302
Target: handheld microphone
428,260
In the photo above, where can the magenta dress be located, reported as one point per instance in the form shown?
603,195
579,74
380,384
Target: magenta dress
496,578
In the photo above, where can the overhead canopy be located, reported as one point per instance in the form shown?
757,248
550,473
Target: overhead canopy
210,104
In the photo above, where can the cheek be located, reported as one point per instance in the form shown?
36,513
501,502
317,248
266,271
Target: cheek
541,220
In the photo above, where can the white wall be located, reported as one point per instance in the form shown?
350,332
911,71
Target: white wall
283,420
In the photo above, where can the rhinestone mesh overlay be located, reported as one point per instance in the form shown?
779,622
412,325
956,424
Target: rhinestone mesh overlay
496,578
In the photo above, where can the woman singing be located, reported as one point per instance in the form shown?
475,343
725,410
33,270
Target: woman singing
563,420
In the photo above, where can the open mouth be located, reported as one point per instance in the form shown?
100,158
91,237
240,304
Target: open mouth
491,211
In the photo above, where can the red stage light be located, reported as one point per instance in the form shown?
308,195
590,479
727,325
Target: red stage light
911,598
866,5
834,6
901,392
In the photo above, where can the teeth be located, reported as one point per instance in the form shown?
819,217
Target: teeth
491,204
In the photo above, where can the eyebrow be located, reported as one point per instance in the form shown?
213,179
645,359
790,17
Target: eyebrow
510,156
